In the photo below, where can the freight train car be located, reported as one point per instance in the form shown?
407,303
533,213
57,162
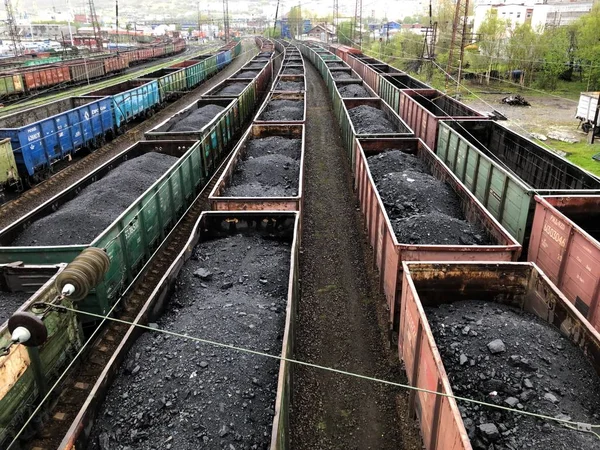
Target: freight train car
505,171
23,81
43,135
502,309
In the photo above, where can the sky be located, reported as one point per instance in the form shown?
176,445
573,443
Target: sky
392,9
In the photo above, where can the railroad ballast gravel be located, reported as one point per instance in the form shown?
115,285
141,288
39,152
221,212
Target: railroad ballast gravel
173,393
10,302
82,219
353,90
370,120
277,110
197,119
502,355
421,208
270,168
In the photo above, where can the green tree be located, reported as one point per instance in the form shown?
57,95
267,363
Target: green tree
344,33
556,48
523,50
588,45
492,33
295,21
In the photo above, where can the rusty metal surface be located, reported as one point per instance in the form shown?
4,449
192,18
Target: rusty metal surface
219,202
569,254
423,121
389,253
520,284
78,432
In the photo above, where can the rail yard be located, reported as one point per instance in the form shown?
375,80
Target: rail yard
287,244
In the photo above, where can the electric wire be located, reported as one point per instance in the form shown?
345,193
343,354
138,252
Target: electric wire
577,426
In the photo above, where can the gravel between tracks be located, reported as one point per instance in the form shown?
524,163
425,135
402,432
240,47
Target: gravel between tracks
353,90
10,302
290,86
33,198
82,219
367,119
539,371
340,309
175,394
197,119
277,110
421,208
271,168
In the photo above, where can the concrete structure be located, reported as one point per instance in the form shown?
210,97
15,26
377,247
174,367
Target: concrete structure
539,13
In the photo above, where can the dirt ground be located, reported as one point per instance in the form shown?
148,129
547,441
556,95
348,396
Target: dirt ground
340,310
545,114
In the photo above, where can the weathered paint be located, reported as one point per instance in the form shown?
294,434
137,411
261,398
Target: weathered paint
564,244
129,240
209,224
19,391
522,285
422,110
389,253
219,202
505,170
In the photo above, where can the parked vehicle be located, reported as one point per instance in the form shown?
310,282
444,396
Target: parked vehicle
587,112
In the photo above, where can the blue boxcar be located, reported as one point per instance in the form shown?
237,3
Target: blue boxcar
223,58
50,132
131,99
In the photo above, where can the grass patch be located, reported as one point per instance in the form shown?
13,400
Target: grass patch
579,153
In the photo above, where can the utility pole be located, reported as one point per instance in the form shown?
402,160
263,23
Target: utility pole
117,14
459,36
95,26
13,30
199,26
592,134
226,19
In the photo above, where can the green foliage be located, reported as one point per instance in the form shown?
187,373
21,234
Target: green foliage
588,45
295,21
273,33
344,33
555,44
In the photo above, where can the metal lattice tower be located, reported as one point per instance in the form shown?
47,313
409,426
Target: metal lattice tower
459,37
357,21
95,26
226,19
336,12
13,31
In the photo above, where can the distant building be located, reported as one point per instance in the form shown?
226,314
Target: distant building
322,32
538,13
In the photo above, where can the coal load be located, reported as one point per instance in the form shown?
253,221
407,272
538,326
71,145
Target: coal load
293,86
82,219
278,110
231,89
293,71
10,302
340,75
270,168
255,66
502,355
197,119
421,208
249,74
353,91
336,65
264,54
370,120
173,393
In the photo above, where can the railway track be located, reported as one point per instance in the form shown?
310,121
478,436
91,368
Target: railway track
136,72
28,200
77,386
